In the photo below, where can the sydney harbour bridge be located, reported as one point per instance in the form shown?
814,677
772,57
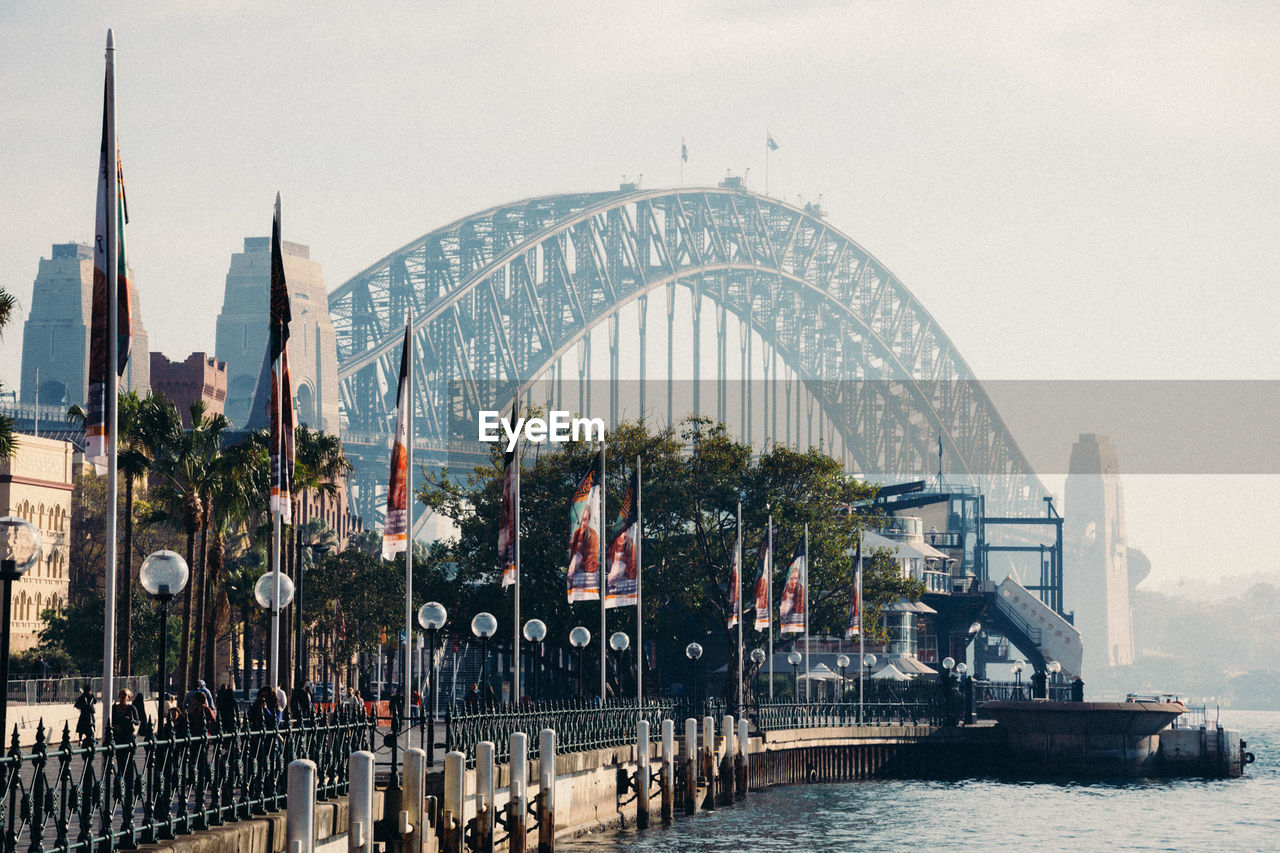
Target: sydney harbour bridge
508,300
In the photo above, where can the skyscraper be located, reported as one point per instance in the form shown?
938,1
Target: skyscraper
242,334
55,337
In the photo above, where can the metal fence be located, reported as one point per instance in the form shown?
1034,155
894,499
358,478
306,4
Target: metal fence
91,796
579,725
1010,691
33,691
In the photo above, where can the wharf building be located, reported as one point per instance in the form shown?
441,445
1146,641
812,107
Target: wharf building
242,335
55,336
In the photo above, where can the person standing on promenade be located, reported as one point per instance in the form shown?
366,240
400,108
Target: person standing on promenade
86,704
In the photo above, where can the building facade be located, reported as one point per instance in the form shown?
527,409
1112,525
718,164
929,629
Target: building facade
199,377
242,334
55,337
36,485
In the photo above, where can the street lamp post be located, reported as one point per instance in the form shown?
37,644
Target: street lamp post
484,626
619,642
693,651
948,673
264,592
317,552
1018,666
19,551
757,657
842,662
579,637
966,692
794,659
163,575
1053,668
431,616
535,631
868,664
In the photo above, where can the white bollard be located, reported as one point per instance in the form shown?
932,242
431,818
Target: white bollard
413,821
692,761
360,797
744,744
642,774
547,789
668,778
518,792
300,796
484,796
453,810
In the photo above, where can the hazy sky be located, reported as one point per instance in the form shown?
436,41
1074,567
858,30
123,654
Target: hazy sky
1080,190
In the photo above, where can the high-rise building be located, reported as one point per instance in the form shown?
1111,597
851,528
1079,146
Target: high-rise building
55,337
1098,551
242,334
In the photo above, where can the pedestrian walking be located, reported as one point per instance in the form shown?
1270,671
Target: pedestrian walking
87,705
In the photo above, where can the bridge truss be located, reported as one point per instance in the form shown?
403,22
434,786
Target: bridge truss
503,298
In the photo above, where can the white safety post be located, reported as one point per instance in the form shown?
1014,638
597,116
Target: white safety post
518,792
455,800
691,753
744,743
642,774
300,796
668,779
413,823
547,790
484,796
360,798
728,775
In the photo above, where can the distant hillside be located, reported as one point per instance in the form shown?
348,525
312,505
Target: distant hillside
1223,651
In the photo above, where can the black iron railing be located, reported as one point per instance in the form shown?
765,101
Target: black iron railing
579,726
884,703
90,796
1011,691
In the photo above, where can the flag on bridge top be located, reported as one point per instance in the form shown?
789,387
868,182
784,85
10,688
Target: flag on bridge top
507,531
584,536
684,150
108,209
791,610
764,577
735,582
853,626
623,554
282,415
395,535
773,146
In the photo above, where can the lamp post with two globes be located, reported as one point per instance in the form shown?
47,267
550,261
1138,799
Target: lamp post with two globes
163,575
19,551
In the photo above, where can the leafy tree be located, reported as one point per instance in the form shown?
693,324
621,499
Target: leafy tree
76,631
692,483
8,441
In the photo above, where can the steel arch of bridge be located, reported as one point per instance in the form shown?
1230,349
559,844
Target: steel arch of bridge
501,295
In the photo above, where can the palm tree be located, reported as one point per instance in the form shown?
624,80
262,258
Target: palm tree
183,460
238,584
8,442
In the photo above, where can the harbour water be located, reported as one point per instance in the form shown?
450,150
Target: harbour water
979,815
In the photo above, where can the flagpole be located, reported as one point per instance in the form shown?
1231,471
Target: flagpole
112,389
769,587
861,633
406,690
738,598
639,592
516,695
604,639
805,591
